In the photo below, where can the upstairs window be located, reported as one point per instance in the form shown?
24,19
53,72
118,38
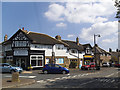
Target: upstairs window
59,47
73,51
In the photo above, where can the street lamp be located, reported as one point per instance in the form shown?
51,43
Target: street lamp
98,35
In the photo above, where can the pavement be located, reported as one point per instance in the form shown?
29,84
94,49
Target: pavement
7,82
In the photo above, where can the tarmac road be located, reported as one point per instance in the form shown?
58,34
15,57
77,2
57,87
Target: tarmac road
105,78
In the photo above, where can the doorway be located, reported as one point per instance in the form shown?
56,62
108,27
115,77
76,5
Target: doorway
21,62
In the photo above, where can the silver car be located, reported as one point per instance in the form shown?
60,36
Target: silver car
5,67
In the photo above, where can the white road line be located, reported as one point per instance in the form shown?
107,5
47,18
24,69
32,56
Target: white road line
23,76
41,81
57,78
87,82
51,80
112,81
109,75
68,74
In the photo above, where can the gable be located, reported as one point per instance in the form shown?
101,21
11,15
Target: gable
20,36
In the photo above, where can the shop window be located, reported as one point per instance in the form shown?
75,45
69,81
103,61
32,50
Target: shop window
39,62
33,62
59,60
47,60
36,60
57,66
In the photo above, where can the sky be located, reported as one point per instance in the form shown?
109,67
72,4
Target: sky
80,19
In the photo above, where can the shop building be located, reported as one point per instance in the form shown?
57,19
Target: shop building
27,48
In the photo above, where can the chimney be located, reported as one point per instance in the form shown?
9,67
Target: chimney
110,50
5,37
22,28
58,37
96,45
77,41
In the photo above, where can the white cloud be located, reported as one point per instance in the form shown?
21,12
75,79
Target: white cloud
104,29
89,11
54,13
70,35
61,25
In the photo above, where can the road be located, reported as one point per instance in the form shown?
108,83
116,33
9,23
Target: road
105,78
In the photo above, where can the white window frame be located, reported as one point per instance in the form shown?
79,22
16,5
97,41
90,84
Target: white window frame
37,60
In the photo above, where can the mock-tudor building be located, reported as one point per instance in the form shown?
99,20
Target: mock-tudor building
27,48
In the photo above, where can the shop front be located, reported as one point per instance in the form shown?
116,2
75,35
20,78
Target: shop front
87,59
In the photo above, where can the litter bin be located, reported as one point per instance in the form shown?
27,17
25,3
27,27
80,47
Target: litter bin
15,77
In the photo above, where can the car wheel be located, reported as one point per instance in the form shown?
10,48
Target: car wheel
63,72
45,72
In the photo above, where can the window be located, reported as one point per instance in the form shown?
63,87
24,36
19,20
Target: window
59,60
59,47
73,51
33,62
47,60
36,60
57,66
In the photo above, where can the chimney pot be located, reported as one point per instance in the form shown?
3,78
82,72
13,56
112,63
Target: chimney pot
58,37
22,28
5,37
77,41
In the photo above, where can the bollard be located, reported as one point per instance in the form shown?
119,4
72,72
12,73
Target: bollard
15,77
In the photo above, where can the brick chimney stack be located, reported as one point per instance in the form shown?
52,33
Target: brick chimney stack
22,28
58,37
5,37
77,41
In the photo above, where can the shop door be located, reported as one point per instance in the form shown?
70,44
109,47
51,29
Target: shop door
21,62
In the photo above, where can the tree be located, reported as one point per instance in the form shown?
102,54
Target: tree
117,5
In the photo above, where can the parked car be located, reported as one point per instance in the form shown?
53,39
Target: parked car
88,66
54,68
106,64
6,67
117,65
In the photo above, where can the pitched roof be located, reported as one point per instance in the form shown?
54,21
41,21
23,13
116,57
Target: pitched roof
100,50
73,45
38,38
43,39
86,45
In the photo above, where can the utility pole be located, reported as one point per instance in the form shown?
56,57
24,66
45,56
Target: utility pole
96,65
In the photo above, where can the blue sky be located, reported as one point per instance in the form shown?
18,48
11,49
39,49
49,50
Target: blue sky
69,20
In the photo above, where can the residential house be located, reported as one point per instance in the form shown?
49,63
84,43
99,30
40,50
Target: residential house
89,55
101,55
27,48
1,53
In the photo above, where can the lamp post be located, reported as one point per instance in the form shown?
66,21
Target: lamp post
95,50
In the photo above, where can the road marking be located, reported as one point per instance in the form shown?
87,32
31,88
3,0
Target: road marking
51,80
109,75
68,74
112,81
57,78
87,82
23,76
41,81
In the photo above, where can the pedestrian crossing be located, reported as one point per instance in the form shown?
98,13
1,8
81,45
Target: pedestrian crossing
62,78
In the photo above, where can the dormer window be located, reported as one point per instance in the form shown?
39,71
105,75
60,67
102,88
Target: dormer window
73,51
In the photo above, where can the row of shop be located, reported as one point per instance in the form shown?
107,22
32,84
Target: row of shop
27,49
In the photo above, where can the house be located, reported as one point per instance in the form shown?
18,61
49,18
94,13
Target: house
115,56
1,53
101,55
89,55
27,48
